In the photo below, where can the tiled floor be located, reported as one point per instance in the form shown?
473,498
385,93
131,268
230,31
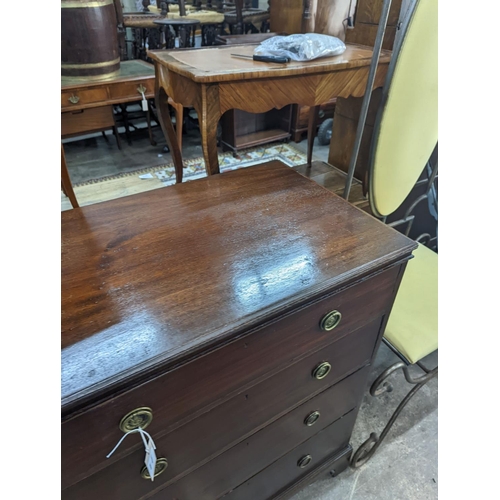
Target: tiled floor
405,466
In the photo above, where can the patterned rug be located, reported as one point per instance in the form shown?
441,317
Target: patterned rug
109,188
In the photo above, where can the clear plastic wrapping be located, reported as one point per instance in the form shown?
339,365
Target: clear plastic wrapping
301,47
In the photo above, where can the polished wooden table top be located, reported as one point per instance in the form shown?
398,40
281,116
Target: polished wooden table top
216,64
130,71
151,279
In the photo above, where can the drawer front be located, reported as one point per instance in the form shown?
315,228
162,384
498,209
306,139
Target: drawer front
254,454
275,481
130,90
78,98
201,439
86,120
184,393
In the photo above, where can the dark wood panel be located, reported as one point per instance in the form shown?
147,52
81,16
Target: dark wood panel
347,113
331,467
368,11
286,16
87,120
241,129
285,471
365,34
250,261
246,459
184,392
218,429
367,18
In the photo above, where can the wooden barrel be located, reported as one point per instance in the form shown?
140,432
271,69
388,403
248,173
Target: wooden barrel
89,39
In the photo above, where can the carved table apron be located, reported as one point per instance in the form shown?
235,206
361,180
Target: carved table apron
213,81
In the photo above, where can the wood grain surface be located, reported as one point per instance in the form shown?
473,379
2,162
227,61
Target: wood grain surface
138,286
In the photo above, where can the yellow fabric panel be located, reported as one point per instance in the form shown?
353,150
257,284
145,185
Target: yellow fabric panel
204,16
413,324
409,126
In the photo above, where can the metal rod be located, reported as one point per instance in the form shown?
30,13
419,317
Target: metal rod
433,175
368,93
369,447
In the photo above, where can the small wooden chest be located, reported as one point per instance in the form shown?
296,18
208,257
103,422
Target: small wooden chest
235,319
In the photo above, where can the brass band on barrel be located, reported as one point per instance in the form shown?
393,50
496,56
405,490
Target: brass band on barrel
84,4
161,466
140,417
330,320
92,78
90,65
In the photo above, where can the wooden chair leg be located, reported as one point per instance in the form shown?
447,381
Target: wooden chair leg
115,130
66,185
150,131
311,131
118,143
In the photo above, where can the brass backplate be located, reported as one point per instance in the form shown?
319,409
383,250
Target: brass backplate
330,321
312,418
140,417
322,370
161,466
304,461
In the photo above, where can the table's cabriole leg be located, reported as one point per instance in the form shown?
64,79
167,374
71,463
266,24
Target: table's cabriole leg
208,117
311,131
167,127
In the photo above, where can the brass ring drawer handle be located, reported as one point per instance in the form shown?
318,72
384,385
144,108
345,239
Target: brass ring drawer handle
322,370
304,461
312,418
73,99
161,466
330,321
140,417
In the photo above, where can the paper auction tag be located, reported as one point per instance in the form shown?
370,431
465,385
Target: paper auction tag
149,447
150,459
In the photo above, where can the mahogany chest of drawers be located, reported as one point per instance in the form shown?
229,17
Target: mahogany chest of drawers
234,318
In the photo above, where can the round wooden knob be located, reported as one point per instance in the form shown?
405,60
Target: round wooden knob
322,370
330,321
140,417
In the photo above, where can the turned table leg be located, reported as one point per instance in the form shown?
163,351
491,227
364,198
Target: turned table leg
311,131
169,131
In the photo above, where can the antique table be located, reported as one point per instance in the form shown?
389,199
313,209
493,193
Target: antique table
85,103
234,318
213,81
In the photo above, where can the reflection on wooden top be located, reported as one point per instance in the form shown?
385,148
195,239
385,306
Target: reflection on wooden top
151,278
216,64
129,70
